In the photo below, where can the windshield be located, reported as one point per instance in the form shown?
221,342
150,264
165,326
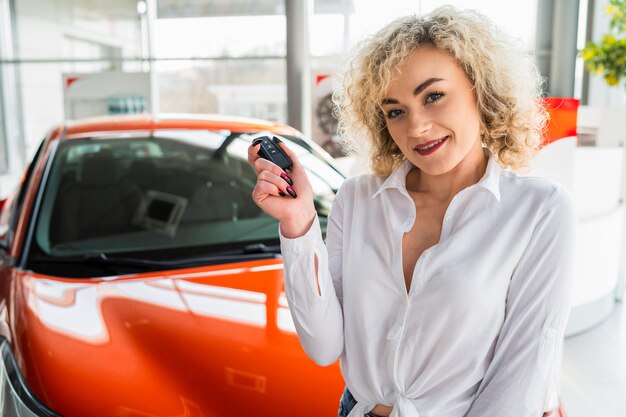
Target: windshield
170,195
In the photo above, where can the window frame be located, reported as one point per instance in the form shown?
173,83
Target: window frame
17,202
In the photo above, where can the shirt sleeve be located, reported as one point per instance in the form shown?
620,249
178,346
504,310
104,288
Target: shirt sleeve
520,379
318,317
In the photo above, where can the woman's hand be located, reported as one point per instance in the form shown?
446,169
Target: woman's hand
294,208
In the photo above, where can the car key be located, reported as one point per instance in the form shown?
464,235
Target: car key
272,152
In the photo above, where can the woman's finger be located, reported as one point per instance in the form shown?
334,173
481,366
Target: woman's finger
264,165
281,181
265,189
279,175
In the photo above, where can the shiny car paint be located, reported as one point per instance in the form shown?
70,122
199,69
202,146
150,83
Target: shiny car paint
202,341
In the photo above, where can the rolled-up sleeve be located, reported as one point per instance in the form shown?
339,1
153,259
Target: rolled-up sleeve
317,316
524,368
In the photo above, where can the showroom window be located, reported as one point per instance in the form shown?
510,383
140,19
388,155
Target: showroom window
85,37
216,60
202,57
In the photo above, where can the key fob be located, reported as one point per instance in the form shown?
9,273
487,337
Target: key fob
272,152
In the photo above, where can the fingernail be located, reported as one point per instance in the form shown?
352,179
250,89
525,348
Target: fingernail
277,140
286,178
280,193
291,192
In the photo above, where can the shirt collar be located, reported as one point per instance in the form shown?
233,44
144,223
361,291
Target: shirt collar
490,180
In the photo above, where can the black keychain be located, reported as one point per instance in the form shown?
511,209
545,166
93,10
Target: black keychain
272,152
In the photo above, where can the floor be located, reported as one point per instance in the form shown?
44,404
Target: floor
593,381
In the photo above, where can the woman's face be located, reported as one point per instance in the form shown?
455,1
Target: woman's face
431,101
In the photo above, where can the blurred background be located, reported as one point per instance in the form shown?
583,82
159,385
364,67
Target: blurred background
231,57
277,59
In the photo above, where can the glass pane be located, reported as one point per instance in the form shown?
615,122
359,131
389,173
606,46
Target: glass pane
97,34
77,29
370,16
523,13
328,34
235,87
42,101
225,36
223,79
175,190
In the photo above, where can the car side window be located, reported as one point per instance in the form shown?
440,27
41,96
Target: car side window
10,213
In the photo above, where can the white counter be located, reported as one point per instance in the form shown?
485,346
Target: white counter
594,175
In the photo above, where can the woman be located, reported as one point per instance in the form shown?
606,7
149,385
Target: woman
444,282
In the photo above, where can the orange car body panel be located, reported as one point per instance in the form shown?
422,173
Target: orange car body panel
210,341
196,122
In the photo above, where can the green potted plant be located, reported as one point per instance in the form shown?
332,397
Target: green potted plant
607,57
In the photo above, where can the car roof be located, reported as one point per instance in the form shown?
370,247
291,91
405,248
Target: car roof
149,122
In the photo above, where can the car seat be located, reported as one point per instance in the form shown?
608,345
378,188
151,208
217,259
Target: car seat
97,203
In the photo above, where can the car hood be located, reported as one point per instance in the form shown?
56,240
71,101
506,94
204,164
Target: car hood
191,342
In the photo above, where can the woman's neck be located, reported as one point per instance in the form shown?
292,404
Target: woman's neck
445,186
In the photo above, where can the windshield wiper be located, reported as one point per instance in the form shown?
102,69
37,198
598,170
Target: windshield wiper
261,248
94,259
249,252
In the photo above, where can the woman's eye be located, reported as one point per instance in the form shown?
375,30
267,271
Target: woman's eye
432,97
392,114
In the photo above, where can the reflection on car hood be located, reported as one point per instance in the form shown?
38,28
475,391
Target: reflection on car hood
211,341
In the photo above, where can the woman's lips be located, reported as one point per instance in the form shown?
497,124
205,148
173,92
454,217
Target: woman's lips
434,145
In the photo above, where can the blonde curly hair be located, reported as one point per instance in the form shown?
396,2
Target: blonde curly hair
506,83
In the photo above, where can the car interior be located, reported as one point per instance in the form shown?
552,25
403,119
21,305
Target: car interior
113,192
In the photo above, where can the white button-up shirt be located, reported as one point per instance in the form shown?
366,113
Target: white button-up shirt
480,331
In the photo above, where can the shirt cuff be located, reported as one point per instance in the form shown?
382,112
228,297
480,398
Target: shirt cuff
311,239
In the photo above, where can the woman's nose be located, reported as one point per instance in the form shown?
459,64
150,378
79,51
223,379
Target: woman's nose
419,123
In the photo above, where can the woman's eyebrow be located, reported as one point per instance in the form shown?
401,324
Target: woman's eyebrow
417,90
425,84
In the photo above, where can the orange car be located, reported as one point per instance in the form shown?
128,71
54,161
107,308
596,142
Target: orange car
138,278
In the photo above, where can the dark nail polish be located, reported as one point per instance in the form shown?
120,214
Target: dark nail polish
277,140
280,193
291,192
286,178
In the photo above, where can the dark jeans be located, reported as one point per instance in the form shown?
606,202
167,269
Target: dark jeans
347,403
